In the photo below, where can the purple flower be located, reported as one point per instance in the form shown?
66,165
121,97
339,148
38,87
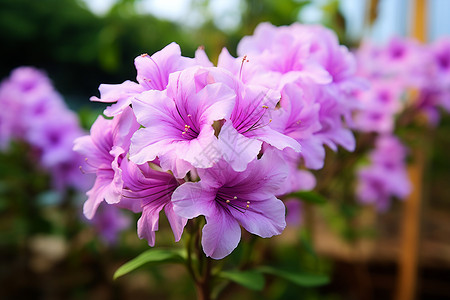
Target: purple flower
54,137
152,74
333,131
294,209
298,118
35,113
229,199
104,150
17,94
284,50
150,190
109,222
310,57
178,122
386,177
243,133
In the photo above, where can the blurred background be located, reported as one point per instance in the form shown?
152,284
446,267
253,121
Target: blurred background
48,252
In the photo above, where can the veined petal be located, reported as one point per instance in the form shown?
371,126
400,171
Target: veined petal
177,223
220,235
218,100
124,126
277,139
237,149
153,107
191,199
265,215
147,143
120,93
97,193
201,58
148,223
313,153
201,152
153,71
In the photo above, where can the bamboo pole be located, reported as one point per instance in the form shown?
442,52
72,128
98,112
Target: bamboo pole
410,234
409,248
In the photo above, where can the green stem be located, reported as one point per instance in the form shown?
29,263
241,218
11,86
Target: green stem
198,266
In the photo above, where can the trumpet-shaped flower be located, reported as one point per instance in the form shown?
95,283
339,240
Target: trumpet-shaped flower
229,199
104,150
152,74
179,122
150,190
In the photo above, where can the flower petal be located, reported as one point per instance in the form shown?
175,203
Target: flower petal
177,223
191,199
237,149
220,235
148,223
265,215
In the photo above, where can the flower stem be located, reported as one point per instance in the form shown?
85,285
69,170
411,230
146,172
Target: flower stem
199,266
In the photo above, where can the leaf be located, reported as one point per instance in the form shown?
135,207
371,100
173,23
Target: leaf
150,256
301,279
306,244
253,280
308,196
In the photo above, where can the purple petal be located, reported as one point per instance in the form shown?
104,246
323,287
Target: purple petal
220,235
191,199
265,215
177,223
237,149
148,223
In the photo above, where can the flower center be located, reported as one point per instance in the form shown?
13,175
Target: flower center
227,202
251,119
189,131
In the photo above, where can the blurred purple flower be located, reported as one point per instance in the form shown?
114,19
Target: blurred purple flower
109,222
386,176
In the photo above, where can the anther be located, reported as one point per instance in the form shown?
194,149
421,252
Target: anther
189,115
228,201
144,54
265,106
234,197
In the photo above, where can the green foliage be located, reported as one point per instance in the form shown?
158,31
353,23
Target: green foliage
253,280
298,278
308,196
151,256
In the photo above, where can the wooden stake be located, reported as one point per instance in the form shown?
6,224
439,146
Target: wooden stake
409,248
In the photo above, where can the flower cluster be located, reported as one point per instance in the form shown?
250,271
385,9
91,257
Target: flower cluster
408,79
33,112
403,75
224,141
386,176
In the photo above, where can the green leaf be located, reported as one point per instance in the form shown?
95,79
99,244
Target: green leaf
253,280
299,278
150,256
308,196
306,244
